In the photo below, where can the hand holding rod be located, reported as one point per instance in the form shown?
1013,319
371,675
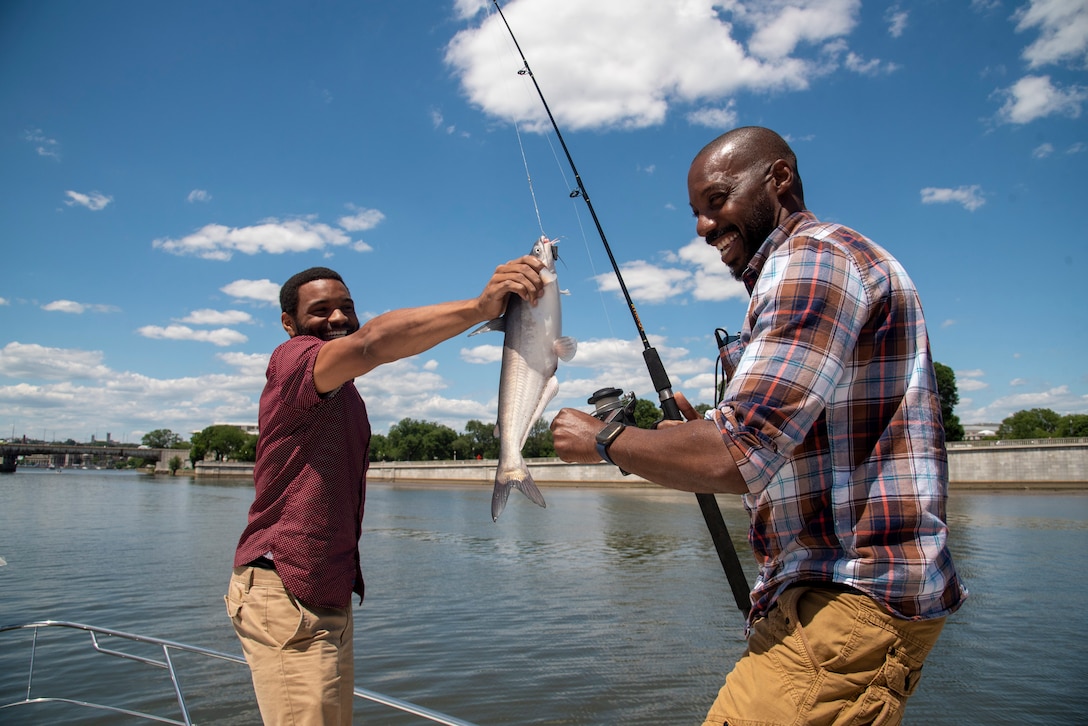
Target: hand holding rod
707,503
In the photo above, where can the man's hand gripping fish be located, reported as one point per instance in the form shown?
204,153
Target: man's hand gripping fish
530,356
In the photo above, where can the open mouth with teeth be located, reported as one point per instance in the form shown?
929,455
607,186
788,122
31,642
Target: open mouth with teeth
724,240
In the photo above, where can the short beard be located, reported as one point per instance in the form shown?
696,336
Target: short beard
757,228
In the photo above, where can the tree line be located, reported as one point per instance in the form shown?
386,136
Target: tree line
418,440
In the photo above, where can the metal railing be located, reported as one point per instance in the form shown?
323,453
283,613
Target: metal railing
98,640
1008,443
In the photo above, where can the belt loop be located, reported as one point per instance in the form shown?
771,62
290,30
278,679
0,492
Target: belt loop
249,577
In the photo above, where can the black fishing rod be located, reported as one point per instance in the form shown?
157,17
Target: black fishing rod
719,533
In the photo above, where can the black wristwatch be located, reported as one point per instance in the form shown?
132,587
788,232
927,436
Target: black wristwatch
606,436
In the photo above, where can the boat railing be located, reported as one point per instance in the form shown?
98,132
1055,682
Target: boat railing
107,642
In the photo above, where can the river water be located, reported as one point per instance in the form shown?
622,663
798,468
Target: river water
607,607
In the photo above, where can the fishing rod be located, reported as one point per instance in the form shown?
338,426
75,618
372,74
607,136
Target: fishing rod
712,514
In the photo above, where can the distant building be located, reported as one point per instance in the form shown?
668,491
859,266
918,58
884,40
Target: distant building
977,432
248,428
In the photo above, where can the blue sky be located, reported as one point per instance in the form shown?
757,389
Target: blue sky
165,166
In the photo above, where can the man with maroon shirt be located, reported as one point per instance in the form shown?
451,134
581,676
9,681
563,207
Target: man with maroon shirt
297,562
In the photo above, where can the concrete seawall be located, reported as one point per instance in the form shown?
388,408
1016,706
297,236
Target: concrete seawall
1006,465
1045,464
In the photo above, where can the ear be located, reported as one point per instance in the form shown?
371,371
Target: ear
288,324
782,177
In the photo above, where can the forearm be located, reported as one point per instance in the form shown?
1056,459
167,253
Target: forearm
392,336
689,457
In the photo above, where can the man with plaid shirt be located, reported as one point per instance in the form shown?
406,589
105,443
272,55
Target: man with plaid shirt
830,428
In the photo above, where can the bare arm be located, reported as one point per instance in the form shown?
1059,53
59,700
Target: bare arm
689,456
406,332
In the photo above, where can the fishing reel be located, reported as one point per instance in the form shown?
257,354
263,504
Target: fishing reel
611,405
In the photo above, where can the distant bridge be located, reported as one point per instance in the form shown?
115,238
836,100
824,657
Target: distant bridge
68,455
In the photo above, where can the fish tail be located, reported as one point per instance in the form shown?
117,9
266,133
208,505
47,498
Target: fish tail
522,481
499,497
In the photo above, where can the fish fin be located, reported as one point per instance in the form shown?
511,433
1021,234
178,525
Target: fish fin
565,347
498,325
551,387
522,481
528,487
499,497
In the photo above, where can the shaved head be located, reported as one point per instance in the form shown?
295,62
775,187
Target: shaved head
754,146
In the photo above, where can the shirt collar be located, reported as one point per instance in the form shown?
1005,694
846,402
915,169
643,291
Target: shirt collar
781,233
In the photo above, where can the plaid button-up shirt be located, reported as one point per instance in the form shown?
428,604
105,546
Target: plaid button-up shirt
833,418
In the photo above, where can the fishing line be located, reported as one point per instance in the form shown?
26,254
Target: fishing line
529,178
660,378
573,198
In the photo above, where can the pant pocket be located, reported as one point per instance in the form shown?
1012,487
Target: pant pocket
234,599
884,700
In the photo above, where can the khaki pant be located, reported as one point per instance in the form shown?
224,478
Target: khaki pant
300,657
825,656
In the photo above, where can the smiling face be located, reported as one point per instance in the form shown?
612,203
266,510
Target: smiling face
325,310
734,202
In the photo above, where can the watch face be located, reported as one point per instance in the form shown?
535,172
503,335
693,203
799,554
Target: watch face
609,432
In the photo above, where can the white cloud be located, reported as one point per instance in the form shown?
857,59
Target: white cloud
219,336
1058,399
482,354
1018,382
1063,31
37,362
4,301
219,242
714,118
1035,97
660,59
217,317
44,145
971,384
199,195
264,291
897,21
647,282
77,308
362,219
252,364
93,201
970,197
65,388
1042,151
712,279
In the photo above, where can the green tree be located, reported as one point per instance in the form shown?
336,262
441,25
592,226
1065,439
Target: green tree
1073,425
1037,423
540,443
174,464
646,413
379,448
411,440
950,396
478,438
221,440
160,439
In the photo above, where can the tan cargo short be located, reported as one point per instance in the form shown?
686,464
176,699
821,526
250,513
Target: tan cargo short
300,657
825,655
